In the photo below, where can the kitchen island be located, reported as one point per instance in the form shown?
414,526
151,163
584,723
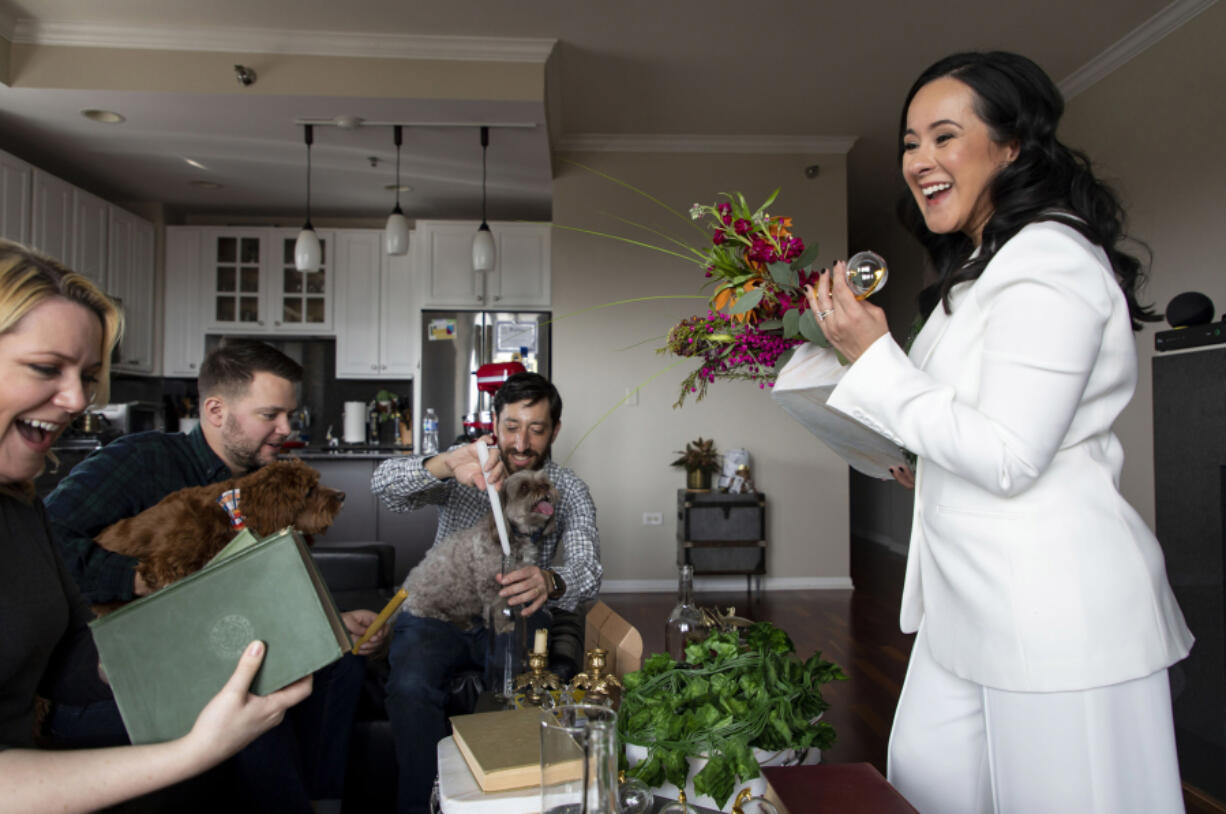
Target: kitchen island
364,519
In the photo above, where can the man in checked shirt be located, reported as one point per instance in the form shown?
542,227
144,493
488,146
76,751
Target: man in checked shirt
426,653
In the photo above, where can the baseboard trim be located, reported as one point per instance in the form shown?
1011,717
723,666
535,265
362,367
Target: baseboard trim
733,583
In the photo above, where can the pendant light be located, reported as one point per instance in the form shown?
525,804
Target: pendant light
483,242
396,233
307,253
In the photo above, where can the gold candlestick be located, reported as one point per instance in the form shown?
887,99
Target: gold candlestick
597,685
537,681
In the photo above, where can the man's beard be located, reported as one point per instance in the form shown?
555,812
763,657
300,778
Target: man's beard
241,452
538,461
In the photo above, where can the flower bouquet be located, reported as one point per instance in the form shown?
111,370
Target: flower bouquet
758,312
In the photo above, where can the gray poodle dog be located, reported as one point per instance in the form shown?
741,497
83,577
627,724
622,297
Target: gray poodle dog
455,581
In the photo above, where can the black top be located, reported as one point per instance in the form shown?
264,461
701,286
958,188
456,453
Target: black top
45,644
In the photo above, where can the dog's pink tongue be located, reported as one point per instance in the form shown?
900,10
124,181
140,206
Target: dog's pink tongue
544,507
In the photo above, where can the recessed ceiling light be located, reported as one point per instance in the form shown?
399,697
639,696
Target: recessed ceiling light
193,162
393,188
104,116
205,185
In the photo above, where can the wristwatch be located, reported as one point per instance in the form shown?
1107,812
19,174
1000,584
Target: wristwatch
555,587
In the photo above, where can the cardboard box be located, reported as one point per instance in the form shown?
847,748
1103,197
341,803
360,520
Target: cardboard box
607,630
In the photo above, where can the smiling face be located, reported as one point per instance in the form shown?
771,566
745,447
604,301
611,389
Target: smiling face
50,362
949,158
252,425
525,434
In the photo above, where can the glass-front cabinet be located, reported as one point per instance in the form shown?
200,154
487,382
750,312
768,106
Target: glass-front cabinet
251,285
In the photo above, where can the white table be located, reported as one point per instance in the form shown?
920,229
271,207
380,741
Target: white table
460,794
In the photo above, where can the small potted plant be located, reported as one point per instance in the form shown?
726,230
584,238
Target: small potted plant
699,460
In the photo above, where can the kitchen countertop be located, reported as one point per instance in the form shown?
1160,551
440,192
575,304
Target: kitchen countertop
346,452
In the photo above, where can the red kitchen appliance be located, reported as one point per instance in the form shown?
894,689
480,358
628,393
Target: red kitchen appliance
491,376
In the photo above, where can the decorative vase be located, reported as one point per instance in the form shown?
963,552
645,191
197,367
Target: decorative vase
697,480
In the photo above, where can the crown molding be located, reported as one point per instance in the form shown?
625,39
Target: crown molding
1131,45
643,143
266,41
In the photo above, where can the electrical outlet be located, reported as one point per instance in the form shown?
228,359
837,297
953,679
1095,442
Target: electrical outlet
653,519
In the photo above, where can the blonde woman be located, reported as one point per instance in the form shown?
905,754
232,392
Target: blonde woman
56,334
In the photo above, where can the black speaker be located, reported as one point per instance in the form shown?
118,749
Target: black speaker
1189,308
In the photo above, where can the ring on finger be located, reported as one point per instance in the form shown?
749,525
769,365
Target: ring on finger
821,315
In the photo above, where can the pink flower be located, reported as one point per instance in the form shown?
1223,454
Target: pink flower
719,237
742,226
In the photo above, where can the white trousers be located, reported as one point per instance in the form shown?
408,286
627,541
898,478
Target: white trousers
961,748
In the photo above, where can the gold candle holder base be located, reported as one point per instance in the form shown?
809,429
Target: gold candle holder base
538,681
597,685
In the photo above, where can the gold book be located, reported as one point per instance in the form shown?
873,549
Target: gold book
503,748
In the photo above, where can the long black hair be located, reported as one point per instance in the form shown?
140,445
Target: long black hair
1047,181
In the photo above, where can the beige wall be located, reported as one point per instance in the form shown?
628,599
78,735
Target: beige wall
600,354
1154,128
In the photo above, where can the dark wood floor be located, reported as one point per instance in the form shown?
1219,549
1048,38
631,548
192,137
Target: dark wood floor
858,630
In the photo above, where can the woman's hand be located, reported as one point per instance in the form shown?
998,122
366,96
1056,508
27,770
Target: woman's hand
903,475
851,325
235,717
356,622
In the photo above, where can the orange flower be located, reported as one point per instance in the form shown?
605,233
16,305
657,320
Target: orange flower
724,297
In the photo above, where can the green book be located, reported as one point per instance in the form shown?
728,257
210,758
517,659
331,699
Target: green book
168,654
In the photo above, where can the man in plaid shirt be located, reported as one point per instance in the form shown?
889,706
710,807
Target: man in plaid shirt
426,653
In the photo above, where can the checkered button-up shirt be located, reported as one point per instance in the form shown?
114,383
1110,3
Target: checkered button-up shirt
404,484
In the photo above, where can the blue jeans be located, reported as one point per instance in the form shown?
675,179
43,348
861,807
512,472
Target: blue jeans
301,759
424,656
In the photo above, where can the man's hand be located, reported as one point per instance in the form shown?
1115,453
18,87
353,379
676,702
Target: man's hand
356,622
525,586
139,587
463,464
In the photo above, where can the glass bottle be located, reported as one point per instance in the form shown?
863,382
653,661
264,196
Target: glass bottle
429,433
506,651
685,624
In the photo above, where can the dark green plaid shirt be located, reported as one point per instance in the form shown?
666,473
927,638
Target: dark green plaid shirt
120,480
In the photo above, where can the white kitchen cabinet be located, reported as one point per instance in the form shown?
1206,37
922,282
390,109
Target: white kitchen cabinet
521,277
130,271
183,320
377,314
52,217
252,287
15,179
92,227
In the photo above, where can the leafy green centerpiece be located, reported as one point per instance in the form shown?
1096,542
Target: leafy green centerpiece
736,693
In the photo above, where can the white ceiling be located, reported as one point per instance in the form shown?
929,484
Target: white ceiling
655,68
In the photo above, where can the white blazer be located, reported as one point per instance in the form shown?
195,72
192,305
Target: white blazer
1028,568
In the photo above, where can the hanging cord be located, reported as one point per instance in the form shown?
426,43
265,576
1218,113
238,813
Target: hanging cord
485,143
309,136
396,136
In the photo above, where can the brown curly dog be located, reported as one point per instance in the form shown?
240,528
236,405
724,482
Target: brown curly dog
182,532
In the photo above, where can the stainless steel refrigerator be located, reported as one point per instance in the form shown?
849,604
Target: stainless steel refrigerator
455,343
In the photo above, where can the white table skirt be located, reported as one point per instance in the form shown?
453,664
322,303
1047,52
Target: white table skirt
460,794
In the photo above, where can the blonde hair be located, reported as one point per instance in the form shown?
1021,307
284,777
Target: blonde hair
27,280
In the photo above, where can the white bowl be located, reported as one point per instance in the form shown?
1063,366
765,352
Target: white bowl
757,787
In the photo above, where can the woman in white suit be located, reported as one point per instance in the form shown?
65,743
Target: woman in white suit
1038,681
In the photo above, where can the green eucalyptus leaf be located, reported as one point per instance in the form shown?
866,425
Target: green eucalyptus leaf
791,320
770,325
810,331
784,358
806,257
784,275
746,302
